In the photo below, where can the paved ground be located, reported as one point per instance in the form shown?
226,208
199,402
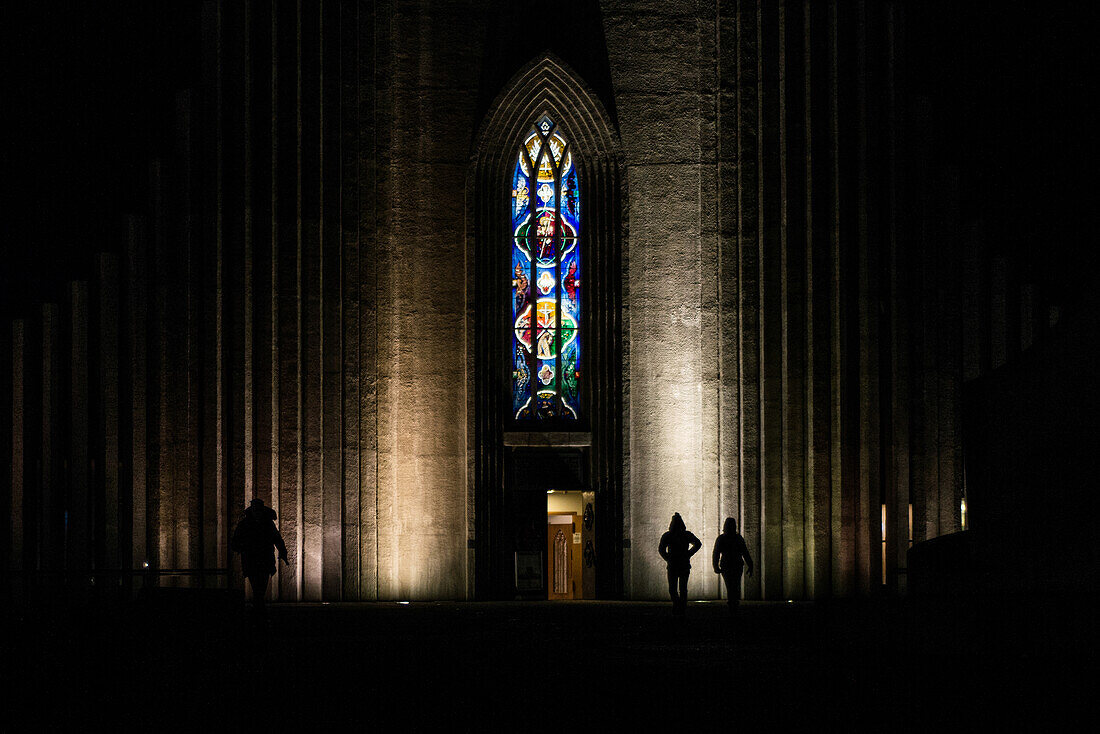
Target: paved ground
884,665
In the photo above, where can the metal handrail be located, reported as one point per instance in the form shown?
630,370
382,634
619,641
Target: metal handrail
124,572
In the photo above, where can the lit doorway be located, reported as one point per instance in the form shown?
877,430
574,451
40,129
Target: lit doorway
569,532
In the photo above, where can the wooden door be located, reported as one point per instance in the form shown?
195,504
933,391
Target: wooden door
561,579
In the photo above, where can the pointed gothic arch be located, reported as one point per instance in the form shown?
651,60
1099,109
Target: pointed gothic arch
546,87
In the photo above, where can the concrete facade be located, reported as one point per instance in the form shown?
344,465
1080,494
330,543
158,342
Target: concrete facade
309,311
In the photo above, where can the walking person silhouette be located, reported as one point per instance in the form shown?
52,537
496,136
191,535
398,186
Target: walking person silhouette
256,539
677,547
731,555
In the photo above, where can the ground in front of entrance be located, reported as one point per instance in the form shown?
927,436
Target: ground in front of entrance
187,662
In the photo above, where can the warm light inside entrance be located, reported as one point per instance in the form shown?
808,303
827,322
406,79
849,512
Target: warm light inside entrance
883,536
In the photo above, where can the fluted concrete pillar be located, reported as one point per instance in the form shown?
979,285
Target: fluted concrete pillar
107,419
666,130
50,500
18,453
137,355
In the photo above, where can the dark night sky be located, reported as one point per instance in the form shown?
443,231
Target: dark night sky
88,89
1013,107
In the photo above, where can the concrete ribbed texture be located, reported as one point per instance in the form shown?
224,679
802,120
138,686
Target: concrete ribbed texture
305,313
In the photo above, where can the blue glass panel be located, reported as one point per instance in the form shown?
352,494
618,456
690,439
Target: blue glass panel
570,379
545,218
521,276
571,202
521,194
521,378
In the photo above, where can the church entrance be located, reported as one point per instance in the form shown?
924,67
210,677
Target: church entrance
551,518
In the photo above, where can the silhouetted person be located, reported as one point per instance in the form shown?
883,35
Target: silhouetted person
731,555
256,539
677,547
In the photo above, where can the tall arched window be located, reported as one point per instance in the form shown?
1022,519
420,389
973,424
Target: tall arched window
546,278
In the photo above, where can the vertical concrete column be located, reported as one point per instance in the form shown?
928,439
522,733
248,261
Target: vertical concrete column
845,123
107,423
347,107
387,335
136,308
194,232
208,341
312,297
18,452
350,208
261,195
748,303
79,550
900,272
366,221
161,503
6,464
842,274
1027,315
998,312
234,66
252,92
950,373
332,348
1012,308
974,279
713,497
203,339
927,314
869,299
51,511
727,273
822,332
666,114
771,278
182,351
287,318
268,122
422,495
793,252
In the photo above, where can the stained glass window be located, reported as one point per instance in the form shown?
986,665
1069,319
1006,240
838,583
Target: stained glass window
546,278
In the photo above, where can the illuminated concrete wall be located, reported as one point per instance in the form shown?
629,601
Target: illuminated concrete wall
663,73
296,316
794,328
422,374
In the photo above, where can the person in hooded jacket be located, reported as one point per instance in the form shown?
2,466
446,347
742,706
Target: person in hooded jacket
256,539
677,547
730,557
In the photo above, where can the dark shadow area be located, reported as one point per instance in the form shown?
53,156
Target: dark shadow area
183,658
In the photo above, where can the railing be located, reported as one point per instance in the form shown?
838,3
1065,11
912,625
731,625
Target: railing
119,578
